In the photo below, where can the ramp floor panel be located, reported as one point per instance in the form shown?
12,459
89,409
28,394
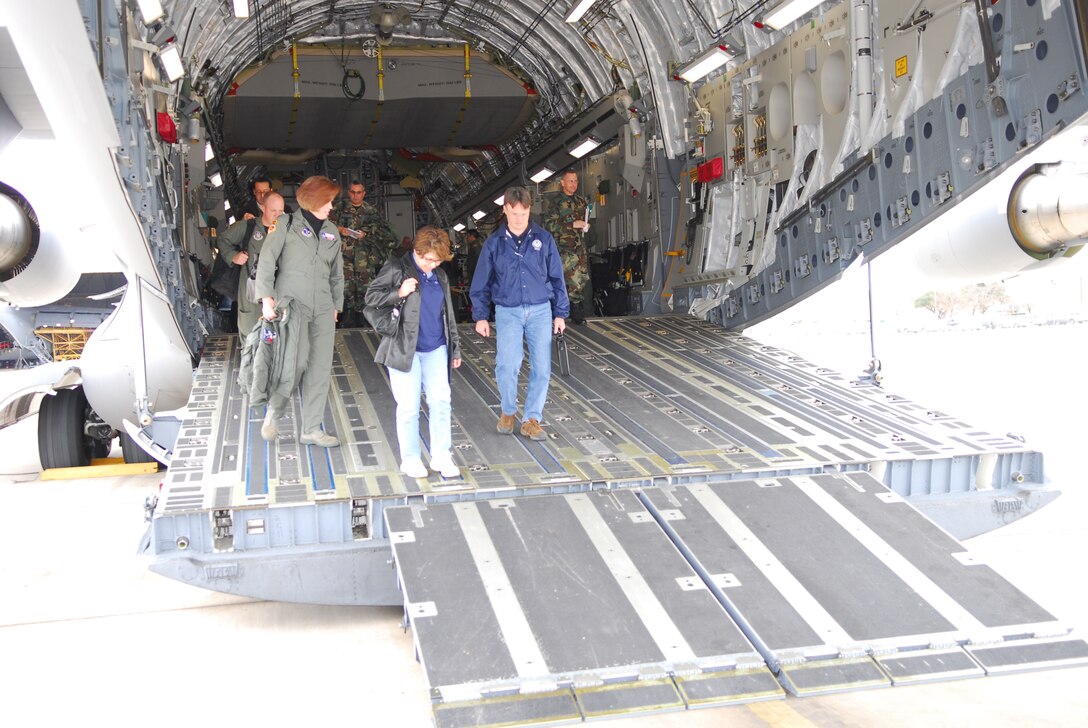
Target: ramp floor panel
581,589
832,547
647,398
677,596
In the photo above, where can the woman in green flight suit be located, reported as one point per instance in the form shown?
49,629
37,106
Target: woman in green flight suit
301,261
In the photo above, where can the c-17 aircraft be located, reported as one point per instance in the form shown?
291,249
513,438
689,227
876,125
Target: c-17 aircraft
717,520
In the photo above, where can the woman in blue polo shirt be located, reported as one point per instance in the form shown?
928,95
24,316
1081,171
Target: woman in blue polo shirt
420,357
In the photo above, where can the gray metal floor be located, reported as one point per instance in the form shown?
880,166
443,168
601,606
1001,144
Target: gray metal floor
554,608
648,398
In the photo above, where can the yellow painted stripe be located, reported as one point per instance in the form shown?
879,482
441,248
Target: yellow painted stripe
99,471
296,75
464,103
381,99
779,714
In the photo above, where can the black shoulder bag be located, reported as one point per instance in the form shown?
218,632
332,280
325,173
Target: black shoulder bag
224,277
385,320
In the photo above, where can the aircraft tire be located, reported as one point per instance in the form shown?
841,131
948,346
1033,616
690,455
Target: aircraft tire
132,452
62,442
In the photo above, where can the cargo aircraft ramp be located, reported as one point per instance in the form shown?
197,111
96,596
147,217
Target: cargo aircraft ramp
560,608
710,520
647,399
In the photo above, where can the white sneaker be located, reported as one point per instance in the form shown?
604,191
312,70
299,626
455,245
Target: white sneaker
443,463
413,468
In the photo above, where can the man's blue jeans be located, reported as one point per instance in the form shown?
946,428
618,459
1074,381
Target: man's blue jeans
430,373
515,325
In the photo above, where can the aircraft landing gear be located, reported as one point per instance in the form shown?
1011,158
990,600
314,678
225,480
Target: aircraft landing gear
69,432
132,452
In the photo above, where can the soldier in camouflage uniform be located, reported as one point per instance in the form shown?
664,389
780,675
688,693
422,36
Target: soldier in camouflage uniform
368,242
565,219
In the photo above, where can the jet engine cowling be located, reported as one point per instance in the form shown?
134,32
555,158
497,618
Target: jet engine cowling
34,269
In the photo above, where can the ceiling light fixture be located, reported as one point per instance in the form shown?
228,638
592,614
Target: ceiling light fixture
151,10
171,62
386,18
241,8
500,199
702,64
578,9
479,214
788,12
542,174
584,147
216,180
226,204
459,227
209,153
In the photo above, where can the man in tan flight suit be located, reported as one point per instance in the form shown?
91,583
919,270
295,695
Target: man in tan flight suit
232,244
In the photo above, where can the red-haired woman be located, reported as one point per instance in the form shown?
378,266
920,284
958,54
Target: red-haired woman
302,268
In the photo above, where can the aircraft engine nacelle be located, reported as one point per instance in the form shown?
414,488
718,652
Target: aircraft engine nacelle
34,268
1049,212
1032,216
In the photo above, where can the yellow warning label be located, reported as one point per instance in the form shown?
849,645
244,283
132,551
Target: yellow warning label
900,66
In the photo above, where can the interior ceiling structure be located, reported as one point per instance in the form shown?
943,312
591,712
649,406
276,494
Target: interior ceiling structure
424,100
562,69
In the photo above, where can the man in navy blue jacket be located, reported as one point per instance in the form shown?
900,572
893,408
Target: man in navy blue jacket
520,271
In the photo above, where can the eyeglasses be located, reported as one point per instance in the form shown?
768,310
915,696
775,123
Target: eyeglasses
432,261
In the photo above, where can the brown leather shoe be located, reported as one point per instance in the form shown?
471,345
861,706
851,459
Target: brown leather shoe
506,425
533,430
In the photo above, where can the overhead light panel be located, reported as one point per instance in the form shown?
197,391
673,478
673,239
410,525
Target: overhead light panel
459,227
226,204
542,174
788,12
241,8
150,10
584,147
209,153
478,214
500,199
230,220
578,9
702,64
216,180
170,57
